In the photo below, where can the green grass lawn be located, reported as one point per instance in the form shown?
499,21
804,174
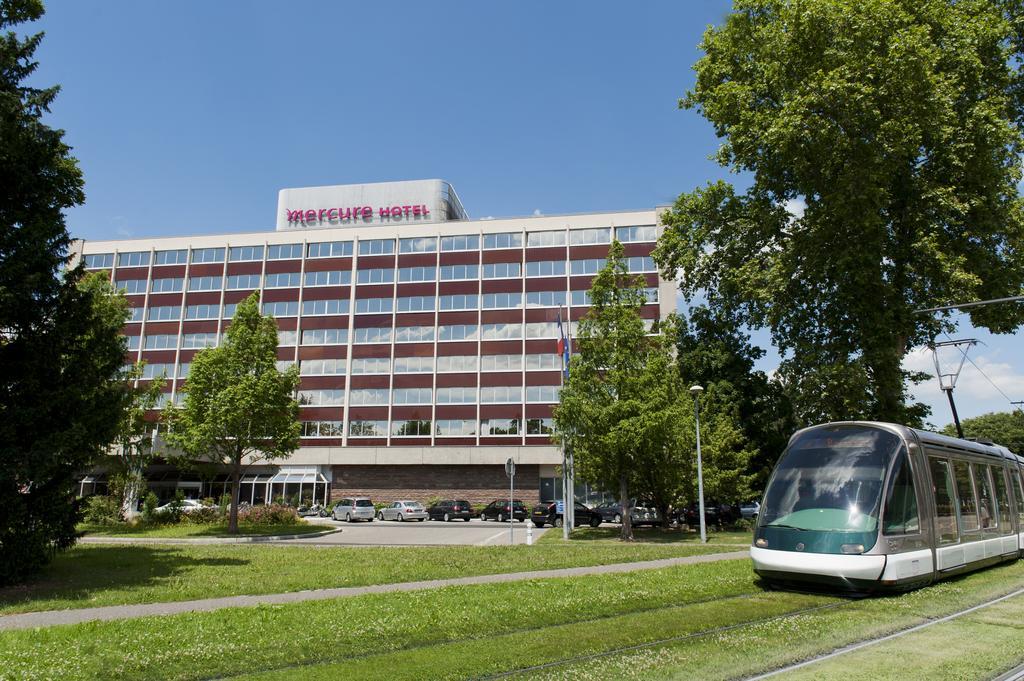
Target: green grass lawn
648,535
732,629
96,575
186,530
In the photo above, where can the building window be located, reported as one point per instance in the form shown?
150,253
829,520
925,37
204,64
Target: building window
545,268
171,285
243,282
377,247
151,371
641,263
99,261
162,342
588,266
322,429
330,249
454,427
283,280
184,368
501,394
229,310
502,331
175,257
198,341
414,334
373,305
130,286
458,332
369,396
370,365
540,426
545,238
545,299
542,393
504,240
499,427
542,330
329,278
462,301
373,334
460,395
284,252
545,362
204,284
368,428
284,308
322,367
459,272
202,311
410,428
581,298
245,253
426,244
135,314
457,364
375,276
411,396
322,398
164,313
414,365
286,337
408,274
502,270
136,259
324,307
133,342
501,363
325,336
632,234
417,304
201,255
463,242
582,237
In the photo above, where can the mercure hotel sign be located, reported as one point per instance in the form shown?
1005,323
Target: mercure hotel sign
333,216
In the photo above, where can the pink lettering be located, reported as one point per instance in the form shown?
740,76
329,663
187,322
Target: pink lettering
396,211
426,211
332,217
415,210
294,215
385,212
310,215
367,212
320,214
405,210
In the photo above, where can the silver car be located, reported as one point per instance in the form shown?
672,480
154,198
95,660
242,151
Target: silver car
353,508
402,511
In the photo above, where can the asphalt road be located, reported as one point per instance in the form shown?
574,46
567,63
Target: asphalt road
429,533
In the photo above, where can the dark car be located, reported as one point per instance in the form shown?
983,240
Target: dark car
450,509
715,514
498,510
547,514
640,513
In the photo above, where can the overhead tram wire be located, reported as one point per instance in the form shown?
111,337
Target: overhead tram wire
964,353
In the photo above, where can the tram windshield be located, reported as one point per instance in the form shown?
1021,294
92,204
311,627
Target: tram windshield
830,479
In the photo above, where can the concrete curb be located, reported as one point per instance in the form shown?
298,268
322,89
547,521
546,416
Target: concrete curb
48,618
247,539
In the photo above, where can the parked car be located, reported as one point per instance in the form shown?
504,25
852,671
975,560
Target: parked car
547,514
750,509
186,506
353,508
315,510
715,514
498,510
640,513
451,509
402,511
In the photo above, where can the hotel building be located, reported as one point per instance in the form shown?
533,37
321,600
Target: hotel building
426,341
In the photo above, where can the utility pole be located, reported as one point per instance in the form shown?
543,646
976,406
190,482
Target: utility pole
947,381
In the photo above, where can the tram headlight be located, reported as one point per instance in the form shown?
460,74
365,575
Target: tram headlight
761,543
852,549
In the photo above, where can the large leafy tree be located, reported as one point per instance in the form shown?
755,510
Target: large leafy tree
134,445
239,409
1003,427
883,139
60,352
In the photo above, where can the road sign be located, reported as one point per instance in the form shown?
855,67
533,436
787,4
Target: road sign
510,468
560,507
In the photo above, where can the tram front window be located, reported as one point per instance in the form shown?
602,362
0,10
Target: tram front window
830,479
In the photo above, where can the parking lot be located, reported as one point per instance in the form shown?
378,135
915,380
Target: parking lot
427,533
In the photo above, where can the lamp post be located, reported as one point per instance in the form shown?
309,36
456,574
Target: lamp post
696,391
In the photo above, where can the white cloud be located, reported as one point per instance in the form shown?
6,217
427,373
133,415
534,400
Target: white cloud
796,207
126,233
537,213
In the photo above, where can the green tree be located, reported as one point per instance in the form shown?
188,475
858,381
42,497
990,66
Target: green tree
239,409
60,349
897,125
134,444
1004,428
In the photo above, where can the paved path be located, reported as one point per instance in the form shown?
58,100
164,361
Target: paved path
118,612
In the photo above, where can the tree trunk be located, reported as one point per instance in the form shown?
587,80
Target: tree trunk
627,521
236,470
130,498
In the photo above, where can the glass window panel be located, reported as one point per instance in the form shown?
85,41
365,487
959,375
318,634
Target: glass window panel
457,332
504,240
463,242
632,234
376,276
542,393
582,237
324,336
99,261
201,255
414,365
406,274
202,311
457,364
499,427
455,427
373,305
322,367
414,334
502,331
283,280
545,238
543,362
164,313
284,252
416,304
369,396
986,499
457,395
175,257
377,247
371,365
410,428
243,281
502,270
169,285
329,278
287,308
965,495
460,302
204,284
901,516
411,396
368,428
502,300
499,394
418,245
132,285
459,272
501,363
545,299
325,307
136,259
245,253
1002,499
545,268
541,426
330,249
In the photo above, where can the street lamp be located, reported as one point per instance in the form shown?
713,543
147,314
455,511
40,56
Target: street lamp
696,391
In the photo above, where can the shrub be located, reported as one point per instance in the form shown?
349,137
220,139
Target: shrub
274,514
744,524
149,504
433,501
207,515
99,510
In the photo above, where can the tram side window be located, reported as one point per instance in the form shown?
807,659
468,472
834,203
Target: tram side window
1020,500
945,510
965,494
1002,499
986,499
901,500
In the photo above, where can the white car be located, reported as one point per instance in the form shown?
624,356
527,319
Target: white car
750,509
402,511
187,506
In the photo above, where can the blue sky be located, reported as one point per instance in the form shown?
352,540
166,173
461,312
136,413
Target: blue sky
188,117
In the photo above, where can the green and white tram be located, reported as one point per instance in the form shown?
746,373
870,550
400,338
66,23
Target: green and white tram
865,506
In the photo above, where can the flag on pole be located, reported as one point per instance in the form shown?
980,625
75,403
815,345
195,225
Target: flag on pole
563,345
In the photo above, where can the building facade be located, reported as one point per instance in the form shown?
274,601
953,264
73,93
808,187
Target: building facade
426,341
